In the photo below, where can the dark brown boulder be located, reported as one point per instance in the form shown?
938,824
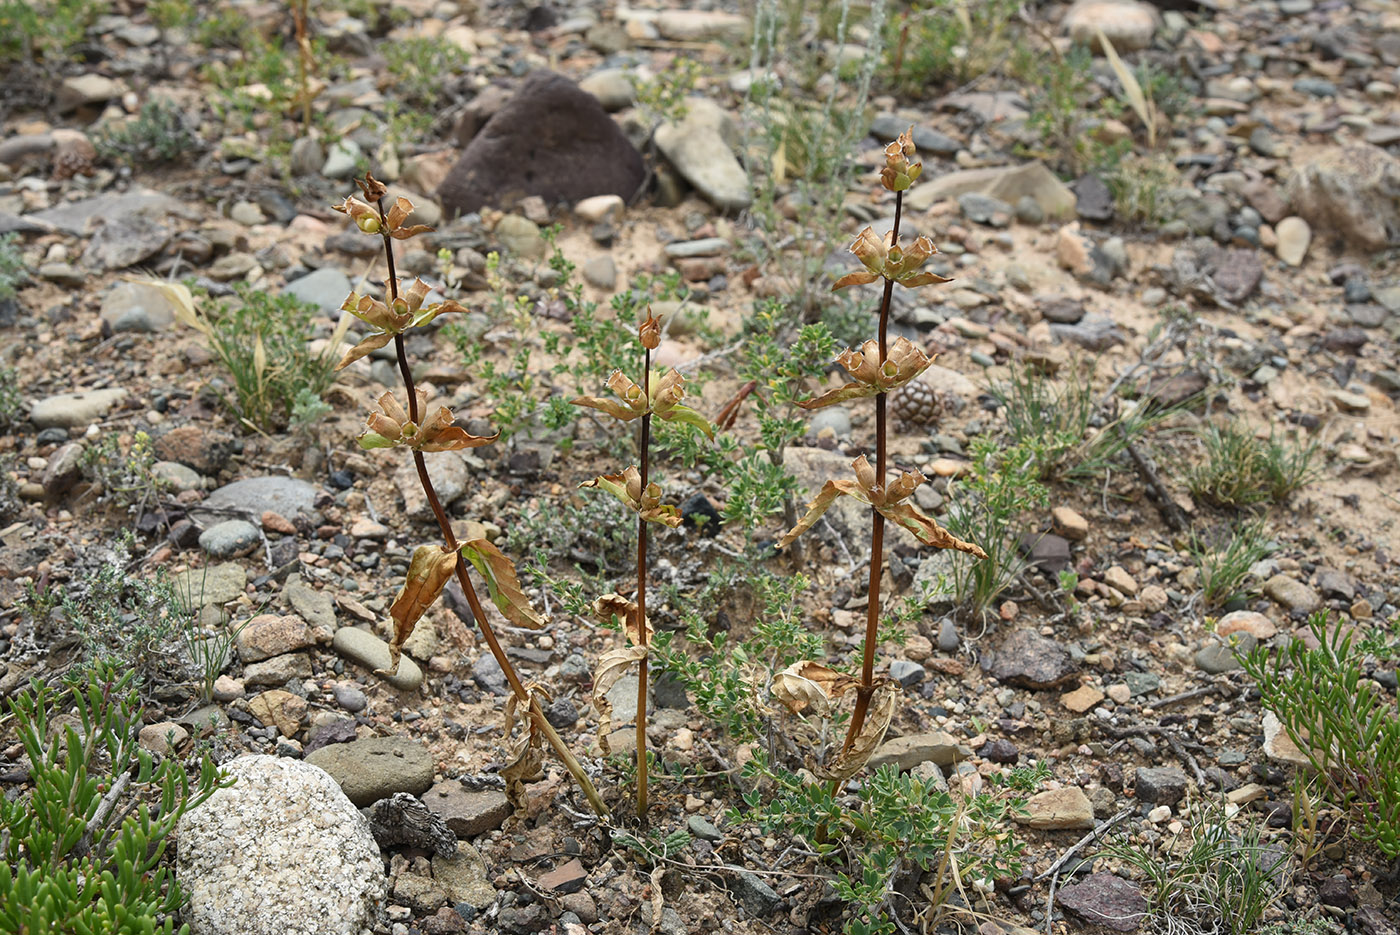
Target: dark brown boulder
551,140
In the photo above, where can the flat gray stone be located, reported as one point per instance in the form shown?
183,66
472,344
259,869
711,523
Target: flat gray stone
373,653
254,496
1029,660
73,217
315,607
937,747
212,584
325,289
450,478
279,670
1292,594
468,812
230,539
375,768
74,410
696,147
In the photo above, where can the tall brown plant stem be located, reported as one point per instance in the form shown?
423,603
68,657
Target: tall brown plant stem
523,696
642,600
877,526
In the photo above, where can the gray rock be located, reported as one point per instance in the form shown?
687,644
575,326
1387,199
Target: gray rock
1094,332
1104,899
1336,583
350,698
450,478
268,635
375,768
706,246
947,635
520,237
465,877
74,410
937,747
125,240
279,670
1007,183
280,851
75,217
468,812
212,584
64,469
308,157
136,306
1215,657
1161,785
754,895
342,159
315,607
63,274
703,828
836,418
325,289
886,127
254,496
230,539
600,272
1292,594
1029,660
373,653
697,147
984,209
906,673
611,86
487,674
1029,211
1351,191
687,25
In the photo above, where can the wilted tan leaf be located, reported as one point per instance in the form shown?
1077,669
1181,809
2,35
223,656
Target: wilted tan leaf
428,573
658,901
926,529
609,606
502,583
877,721
612,665
526,755
825,498
810,684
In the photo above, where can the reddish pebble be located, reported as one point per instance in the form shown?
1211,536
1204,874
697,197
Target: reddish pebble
272,521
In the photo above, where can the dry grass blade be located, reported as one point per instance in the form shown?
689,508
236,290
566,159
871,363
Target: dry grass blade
1141,105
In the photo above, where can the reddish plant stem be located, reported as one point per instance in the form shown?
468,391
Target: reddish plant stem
525,697
877,526
642,598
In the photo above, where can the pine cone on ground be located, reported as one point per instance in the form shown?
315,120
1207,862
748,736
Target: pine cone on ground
916,403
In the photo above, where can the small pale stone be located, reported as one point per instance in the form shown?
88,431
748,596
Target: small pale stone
163,738
1119,692
1120,580
1059,809
1247,621
1081,699
1154,598
1069,524
1294,237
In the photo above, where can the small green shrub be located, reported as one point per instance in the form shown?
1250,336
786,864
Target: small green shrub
13,272
1220,878
44,29
421,67
124,474
1063,97
157,135
1342,721
936,43
902,824
1224,566
1069,435
84,850
1139,185
1239,469
11,402
989,508
264,342
121,619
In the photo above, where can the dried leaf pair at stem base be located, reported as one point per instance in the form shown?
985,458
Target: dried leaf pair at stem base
391,319
392,428
627,488
891,502
432,566
667,391
903,363
884,259
526,755
613,665
811,685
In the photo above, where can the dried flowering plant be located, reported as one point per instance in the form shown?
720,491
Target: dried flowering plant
421,428
878,367
658,395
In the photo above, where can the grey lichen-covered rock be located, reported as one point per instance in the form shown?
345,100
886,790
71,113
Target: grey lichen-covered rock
377,767
697,146
1351,191
281,852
